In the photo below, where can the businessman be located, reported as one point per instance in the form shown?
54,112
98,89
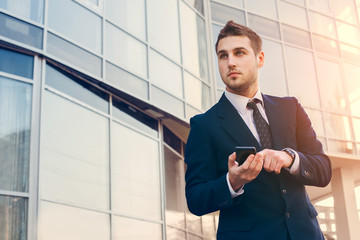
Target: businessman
265,196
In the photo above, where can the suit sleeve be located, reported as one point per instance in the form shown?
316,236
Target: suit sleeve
206,189
315,166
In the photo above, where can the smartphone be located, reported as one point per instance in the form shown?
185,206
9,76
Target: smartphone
242,153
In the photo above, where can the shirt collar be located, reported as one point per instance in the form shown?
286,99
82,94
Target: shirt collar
240,102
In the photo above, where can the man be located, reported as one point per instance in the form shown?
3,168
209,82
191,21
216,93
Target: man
264,197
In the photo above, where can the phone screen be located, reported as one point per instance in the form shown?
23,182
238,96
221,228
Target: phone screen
242,153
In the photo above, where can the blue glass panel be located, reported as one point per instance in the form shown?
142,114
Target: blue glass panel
16,63
20,31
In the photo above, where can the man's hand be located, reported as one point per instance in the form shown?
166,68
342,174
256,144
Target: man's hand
275,160
248,171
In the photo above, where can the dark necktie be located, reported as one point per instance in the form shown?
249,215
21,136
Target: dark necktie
262,126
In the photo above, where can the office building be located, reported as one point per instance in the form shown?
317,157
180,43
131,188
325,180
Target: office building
96,97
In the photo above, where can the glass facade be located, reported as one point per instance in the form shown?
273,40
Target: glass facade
96,97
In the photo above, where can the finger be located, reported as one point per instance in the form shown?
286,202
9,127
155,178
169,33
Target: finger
278,167
232,159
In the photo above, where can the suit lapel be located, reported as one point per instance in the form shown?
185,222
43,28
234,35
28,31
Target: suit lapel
234,125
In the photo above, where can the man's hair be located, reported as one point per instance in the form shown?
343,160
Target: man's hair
234,29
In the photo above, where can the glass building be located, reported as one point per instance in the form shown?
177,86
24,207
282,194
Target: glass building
96,97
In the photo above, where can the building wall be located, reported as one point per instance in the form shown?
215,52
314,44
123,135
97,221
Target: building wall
96,95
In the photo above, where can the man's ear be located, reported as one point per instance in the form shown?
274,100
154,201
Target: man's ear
260,58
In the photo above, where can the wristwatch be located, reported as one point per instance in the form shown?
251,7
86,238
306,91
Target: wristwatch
291,153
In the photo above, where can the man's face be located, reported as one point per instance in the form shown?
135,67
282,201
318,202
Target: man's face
238,65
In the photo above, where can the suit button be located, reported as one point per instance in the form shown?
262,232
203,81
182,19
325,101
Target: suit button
284,191
287,215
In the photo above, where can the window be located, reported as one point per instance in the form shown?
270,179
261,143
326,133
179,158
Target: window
293,15
76,22
77,89
16,63
20,31
128,14
29,9
222,14
193,41
300,77
265,8
125,51
15,126
163,29
13,218
74,159
264,26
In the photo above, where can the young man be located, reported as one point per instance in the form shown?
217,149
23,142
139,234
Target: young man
264,197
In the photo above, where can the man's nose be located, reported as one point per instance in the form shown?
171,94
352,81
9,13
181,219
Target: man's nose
231,62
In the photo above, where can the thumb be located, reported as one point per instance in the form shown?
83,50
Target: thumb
232,161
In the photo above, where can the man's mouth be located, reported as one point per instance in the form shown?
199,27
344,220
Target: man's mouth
233,74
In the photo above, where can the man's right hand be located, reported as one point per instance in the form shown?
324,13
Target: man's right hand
246,172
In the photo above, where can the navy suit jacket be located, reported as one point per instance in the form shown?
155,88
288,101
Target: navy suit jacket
272,205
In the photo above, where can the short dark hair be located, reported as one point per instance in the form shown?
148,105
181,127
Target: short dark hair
234,29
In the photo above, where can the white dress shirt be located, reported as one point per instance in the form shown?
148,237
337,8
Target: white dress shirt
240,102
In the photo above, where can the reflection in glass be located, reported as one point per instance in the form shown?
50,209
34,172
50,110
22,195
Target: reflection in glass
330,85
263,8
131,229
73,54
222,14
341,146
175,189
74,161
125,51
128,14
172,140
272,74
345,10
293,15
350,53
77,89
75,22
134,117
126,81
296,36
15,125
348,33
264,26
322,25
352,74
193,42
326,45
163,31
16,63
20,31
337,126
59,222
165,74
29,9
301,76
135,173
13,218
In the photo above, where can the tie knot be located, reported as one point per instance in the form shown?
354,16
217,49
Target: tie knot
252,104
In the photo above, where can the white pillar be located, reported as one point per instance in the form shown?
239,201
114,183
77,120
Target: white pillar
346,214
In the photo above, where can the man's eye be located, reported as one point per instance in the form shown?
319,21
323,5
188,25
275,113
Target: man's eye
239,53
222,56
